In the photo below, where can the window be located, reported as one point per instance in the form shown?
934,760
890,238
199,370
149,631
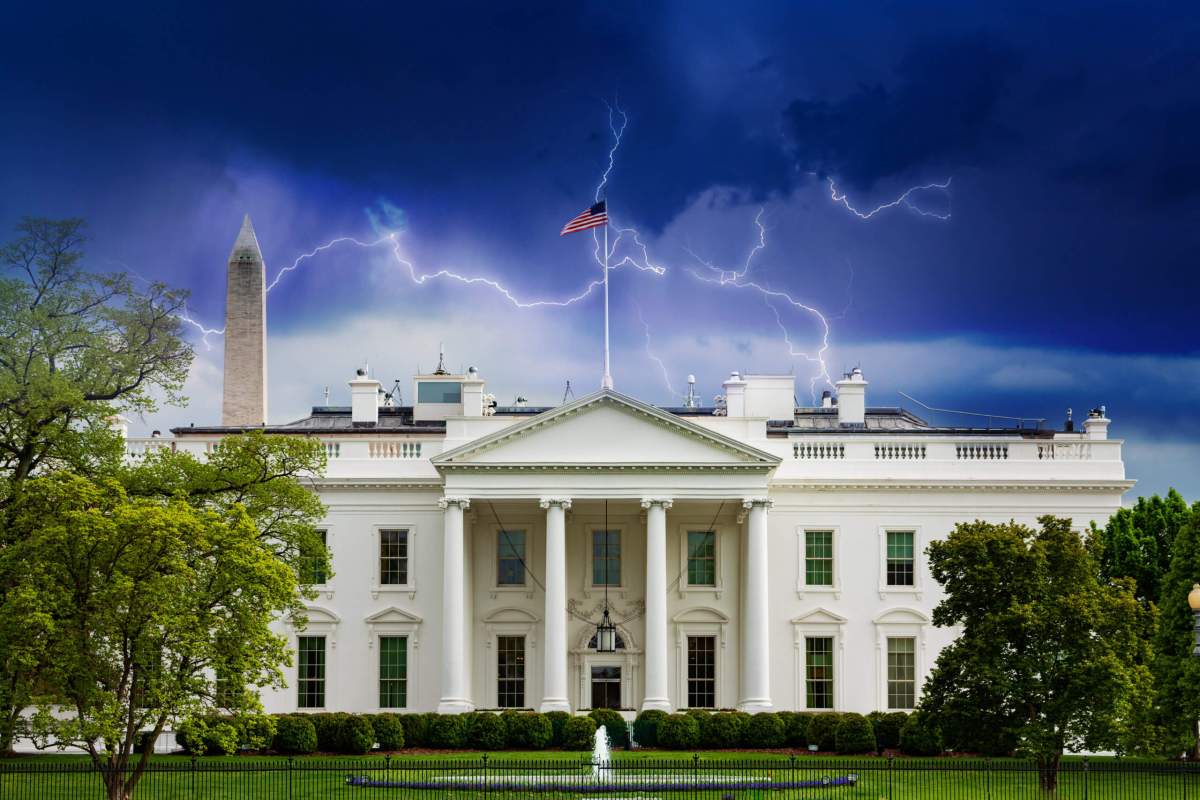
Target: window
314,568
702,672
393,557
818,558
510,671
310,683
901,673
439,392
393,671
606,687
899,558
818,672
606,558
702,558
510,558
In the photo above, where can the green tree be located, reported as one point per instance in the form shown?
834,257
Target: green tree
1176,671
152,601
1050,656
1136,542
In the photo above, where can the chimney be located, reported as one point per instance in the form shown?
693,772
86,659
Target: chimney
826,399
364,400
1096,425
852,399
244,400
735,395
472,394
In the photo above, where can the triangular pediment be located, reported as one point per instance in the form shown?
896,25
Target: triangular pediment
819,616
606,428
393,615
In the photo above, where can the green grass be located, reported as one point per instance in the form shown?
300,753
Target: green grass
68,777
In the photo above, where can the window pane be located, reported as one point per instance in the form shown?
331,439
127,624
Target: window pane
902,673
313,572
510,671
702,676
393,557
702,558
510,554
818,669
606,558
439,392
818,558
393,671
310,672
899,558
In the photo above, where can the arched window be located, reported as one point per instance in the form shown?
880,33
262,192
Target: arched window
592,642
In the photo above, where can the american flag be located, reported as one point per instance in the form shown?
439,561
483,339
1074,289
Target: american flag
593,217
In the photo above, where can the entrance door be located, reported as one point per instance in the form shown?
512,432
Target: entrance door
606,687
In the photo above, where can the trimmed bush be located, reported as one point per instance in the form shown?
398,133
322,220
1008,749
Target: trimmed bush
822,731
558,719
645,727
723,729
416,730
854,735
389,732
448,731
795,728
614,726
579,733
764,730
920,736
355,736
887,728
679,732
486,731
328,728
530,731
294,735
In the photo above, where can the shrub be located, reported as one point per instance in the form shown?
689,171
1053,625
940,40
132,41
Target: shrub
614,726
328,728
416,730
795,728
258,731
389,731
854,735
355,736
486,731
822,731
919,736
679,732
448,731
578,733
645,727
723,729
214,736
887,728
558,719
294,735
764,730
530,731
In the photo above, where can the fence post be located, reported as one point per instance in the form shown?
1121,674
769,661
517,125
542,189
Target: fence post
291,764
192,780
696,772
1085,778
485,780
891,758
987,776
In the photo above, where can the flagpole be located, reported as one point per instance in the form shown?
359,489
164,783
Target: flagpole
607,382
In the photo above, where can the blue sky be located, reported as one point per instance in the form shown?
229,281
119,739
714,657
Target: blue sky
1065,273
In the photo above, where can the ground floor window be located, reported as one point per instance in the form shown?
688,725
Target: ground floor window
902,673
310,684
393,671
510,671
606,687
702,672
818,671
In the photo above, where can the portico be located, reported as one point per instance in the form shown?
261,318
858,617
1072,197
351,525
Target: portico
605,496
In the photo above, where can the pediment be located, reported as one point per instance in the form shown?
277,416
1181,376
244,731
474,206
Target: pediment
700,614
819,616
510,615
901,616
606,429
321,616
393,616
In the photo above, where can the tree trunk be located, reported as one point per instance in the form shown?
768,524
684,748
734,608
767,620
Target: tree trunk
1047,767
114,785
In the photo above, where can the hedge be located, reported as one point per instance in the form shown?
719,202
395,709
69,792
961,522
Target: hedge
679,732
487,732
887,727
225,735
328,729
416,729
795,727
355,735
645,727
389,731
529,731
448,731
614,726
920,736
723,729
294,735
764,730
558,719
822,731
579,733
854,735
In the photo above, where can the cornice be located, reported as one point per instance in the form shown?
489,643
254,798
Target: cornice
377,483
954,486
549,466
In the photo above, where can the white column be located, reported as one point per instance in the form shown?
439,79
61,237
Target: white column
554,686
657,695
455,695
756,642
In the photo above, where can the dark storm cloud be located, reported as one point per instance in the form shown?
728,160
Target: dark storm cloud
940,108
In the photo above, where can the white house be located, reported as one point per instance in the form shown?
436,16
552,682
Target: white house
752,555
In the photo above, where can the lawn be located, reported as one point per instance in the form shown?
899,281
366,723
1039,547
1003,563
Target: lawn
745,775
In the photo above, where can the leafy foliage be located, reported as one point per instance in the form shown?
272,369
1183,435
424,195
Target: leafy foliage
1176,671
294,735
578,733
920,735
389,731
679,732
486,731
822,731
1136,542
764,730
645,727
614,725
448,731
887,727
854,735
558,719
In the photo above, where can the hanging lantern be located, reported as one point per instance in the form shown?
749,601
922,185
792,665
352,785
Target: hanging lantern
606,635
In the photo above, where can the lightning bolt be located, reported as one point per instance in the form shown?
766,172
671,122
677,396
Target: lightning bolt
903,200
666,375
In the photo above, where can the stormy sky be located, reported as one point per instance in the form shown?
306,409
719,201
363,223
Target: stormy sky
1059,268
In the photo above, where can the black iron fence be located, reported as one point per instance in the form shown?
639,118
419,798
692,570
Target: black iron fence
170,778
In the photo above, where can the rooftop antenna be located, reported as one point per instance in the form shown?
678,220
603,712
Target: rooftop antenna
568,392
441,367
1019,420
326,394
392,398
691,401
